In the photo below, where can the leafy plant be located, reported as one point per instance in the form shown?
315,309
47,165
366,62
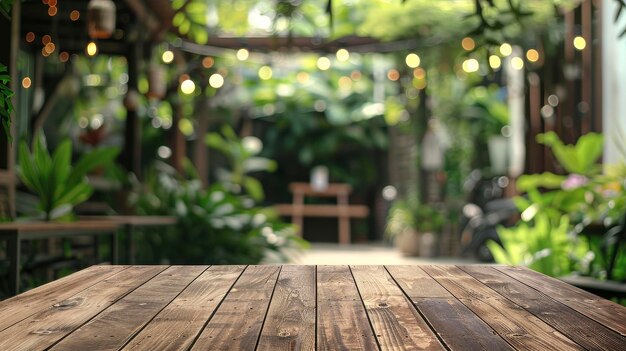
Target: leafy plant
215,225
539,245
407,214
6,106
557,209
242,159
59,185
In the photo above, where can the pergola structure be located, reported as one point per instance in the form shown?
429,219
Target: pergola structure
140,24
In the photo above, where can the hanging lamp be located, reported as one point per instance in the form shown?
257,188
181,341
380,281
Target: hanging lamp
101,18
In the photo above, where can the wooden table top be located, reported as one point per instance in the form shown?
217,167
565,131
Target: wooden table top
310,307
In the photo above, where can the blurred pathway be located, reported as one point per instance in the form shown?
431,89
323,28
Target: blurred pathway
374,253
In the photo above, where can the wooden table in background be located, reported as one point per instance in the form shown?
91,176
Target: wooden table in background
342,210
130,223
310,308
15,232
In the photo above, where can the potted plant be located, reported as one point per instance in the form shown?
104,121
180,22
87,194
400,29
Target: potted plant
413,228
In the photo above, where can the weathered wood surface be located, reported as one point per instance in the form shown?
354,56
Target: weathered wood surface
310,308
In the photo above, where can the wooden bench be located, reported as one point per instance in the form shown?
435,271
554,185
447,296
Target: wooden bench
130,223
342,210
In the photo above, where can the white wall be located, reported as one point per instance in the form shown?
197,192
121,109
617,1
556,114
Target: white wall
613,82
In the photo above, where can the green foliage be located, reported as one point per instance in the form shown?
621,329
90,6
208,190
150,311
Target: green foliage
6,106
242,161
321,122
487,108
215,225
539,245
557,210
581,158
59,185
5,8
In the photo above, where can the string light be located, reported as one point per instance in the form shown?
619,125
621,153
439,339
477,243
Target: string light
517,63
468,44
580,43
393,74
412,60
168,56
46,39
64,56
265,72
92,49
303,77
30,37
323,63
187,86
242,54
470,65
495,62
208,62
355,75
74,15
506,49
52,11
216,80
532,55
50,47
343,55
26,82
419,73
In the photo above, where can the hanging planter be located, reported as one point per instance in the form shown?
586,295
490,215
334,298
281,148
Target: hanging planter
101,18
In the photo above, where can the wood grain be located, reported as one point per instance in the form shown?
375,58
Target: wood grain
601,310
25,305
290,322
572,324
517,326
238,320
456,325
396,323
342,322
309,308
178,324
43,329
112,328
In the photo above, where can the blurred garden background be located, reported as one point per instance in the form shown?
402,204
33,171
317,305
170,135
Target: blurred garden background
484,130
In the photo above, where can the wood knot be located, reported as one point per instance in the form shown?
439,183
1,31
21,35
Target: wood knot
69,303
42,332
284,334
383,305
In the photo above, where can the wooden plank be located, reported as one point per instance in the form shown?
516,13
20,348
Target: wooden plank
582,330
456,325
45,328
517,326
332,190
416,283
25,305
342,322
601,310
316,210
237,322
290,321
115,326
396,323
181,321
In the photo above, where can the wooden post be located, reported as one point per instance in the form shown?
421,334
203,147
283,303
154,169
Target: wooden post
132,134
586,78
